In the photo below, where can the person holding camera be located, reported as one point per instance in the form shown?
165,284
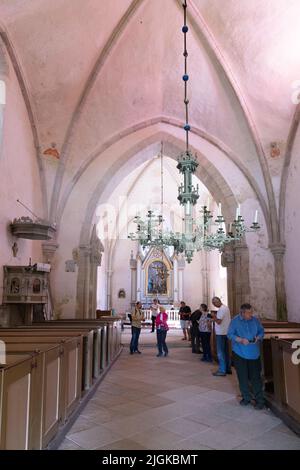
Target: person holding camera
136,325
245,331
194,331
205,332
184,314
222,320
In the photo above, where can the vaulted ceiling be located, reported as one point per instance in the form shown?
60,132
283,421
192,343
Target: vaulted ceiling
94,70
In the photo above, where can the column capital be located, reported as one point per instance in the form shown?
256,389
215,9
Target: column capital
86,249
277,249
227,258
181,263
49,249
133,263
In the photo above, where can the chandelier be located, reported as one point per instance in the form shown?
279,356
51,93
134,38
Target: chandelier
199,233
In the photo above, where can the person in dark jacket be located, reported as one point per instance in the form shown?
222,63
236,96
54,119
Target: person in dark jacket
194,331
246,332
185,313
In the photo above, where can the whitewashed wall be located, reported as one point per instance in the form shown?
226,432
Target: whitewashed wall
292,236
19,178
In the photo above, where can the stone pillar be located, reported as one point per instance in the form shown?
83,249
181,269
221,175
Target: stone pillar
278,250
236,259
109,274
205,279
175,282
242,280
83,281
181,266
95,262
96,249
139,279
133,273
49,250
227,261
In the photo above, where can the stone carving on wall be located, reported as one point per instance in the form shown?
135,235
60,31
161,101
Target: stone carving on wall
15,249
70,266
97,249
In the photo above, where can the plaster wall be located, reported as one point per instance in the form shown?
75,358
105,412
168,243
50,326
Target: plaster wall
292,235
19,178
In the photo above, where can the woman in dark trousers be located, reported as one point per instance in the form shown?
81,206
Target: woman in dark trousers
161,332
205,333
194,331
246,333
136,325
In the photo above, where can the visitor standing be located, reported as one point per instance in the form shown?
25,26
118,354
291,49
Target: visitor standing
136,325
185,313
194,331
205,333
246,332
161,332
222,320
154,312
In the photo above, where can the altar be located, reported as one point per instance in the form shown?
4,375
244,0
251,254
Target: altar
157,273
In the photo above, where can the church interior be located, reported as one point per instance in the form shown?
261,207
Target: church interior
149,150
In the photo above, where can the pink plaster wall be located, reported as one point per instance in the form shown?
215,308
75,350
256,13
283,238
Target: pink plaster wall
292,235
19,178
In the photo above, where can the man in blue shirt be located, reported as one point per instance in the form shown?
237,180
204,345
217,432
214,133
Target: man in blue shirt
245,331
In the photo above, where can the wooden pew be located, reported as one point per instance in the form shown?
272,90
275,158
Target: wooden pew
278,331
62,378
285,399
58,332
101,339
111,334
97,338
104,351
20,388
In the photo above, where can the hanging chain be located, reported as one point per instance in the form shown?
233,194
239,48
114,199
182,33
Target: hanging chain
185,77
162,178
162,201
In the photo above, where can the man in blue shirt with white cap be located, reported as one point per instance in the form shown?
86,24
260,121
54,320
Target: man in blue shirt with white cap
245,331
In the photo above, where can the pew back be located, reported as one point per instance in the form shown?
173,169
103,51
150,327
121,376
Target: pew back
18,392
286,379
60,378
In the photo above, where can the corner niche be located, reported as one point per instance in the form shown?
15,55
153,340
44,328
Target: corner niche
25,227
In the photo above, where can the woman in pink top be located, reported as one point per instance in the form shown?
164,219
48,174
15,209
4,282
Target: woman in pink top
161,332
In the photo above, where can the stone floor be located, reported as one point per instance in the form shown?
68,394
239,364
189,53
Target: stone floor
172,403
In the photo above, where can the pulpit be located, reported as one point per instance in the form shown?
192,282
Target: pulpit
25,292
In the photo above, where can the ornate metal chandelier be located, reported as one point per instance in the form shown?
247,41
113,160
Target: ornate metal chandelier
198,234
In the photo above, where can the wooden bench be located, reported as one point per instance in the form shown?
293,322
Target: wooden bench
278,331
58,332
107,341
60,379
65,375
19,390
285,397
